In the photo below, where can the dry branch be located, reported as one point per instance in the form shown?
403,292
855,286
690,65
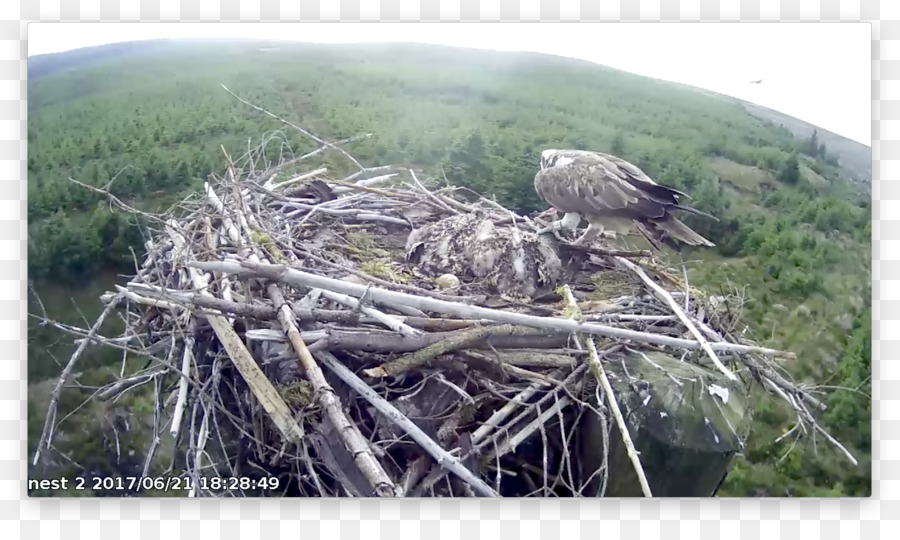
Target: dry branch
50,421
262,388
443,458
461,340
298,278
667,298
596,367
378,479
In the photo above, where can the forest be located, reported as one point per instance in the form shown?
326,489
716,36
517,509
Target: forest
150,123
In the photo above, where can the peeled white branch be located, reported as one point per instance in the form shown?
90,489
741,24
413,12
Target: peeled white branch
368,182
361,215
393,415
596,367
249,369
305,279
357,174
186,360
394,324
663,295
296,179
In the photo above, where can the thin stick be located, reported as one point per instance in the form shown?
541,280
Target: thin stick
296,179
431,195
667,298
393,415
503,413
138,299
117,201
186,360
687,285
832,440
378,479
47,433
368,182
596,367
393,323
509,445
357,174
361,215
295,126
304,279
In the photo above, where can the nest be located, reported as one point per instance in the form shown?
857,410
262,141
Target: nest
373,336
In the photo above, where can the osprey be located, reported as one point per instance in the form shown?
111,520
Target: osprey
611,194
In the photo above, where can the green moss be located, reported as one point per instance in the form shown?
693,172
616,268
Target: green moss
364,246
609,285
381,269
265,241
297,394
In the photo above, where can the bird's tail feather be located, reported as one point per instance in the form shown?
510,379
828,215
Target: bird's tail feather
681,232
651,236
695,211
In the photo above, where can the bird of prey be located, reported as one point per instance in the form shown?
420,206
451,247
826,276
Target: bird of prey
612,194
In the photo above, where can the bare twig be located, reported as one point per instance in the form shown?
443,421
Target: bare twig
295,126
305,279
392,414
378,479
49,422
597,369
666,297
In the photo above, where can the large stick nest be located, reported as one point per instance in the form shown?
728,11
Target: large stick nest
370,335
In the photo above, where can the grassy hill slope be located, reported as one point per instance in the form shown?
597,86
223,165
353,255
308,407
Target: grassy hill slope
855,159
798,246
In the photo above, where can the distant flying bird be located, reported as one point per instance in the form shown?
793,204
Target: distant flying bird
757,81
611,193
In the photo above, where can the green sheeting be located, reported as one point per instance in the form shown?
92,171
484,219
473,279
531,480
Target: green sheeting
686,421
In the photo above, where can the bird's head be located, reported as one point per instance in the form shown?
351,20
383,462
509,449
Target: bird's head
548,158
557,158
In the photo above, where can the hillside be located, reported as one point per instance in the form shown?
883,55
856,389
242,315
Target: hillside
793,235
855,159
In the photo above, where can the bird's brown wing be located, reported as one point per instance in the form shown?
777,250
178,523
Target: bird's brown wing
638,178
596,188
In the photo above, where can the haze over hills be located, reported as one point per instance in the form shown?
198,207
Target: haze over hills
792,234
48,64
855,159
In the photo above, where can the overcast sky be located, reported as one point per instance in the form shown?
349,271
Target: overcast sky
818,72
